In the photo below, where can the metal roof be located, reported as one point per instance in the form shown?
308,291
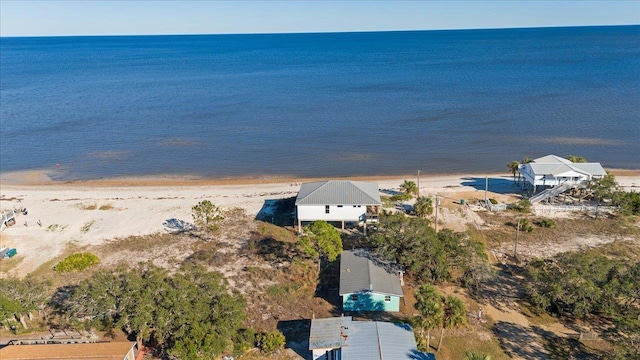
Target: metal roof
361,272
555,165
96,351
382,340
339,192
330,333
552,159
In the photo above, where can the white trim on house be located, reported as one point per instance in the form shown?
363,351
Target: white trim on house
338,200
552,170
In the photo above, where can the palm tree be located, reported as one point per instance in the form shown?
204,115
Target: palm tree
423,206
513,167
430,310
576,159
474,355
526,160
455,314
409,188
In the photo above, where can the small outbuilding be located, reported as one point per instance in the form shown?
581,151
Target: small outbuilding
369,284
338,200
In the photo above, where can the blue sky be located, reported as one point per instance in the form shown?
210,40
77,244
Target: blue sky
116,17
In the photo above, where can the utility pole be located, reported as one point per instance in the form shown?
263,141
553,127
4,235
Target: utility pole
515,249
418,183
486,188
437,202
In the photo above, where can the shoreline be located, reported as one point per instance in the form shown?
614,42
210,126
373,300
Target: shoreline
44,178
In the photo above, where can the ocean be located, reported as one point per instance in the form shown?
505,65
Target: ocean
319,105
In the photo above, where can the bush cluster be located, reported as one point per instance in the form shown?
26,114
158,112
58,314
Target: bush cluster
76,262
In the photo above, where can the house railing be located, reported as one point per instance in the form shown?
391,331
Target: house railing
371,217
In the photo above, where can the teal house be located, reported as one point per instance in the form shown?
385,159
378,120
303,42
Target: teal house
368,284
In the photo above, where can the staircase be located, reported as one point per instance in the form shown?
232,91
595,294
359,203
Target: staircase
549,193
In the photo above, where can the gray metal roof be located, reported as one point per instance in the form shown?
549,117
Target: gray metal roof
595,169
555,165
361,272
339,192
330,333
382,340
552,159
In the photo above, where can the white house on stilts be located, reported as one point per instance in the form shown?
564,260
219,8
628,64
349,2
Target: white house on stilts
338,200
558,173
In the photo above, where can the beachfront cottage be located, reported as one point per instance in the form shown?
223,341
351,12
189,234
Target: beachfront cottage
552,170
338,200
558,173
368,284
342,338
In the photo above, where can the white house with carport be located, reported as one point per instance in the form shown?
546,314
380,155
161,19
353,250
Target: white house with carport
338,200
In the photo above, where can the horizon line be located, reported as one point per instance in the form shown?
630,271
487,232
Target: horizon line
321,32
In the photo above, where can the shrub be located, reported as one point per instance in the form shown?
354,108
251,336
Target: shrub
270,341
523,206
493,201
401,197
546,223
76,262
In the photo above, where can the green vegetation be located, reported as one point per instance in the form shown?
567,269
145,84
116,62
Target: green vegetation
522,206
321,239
56,227
428,256
423,206
207,216
513,168
474,355
430,313
409,188
546,223
106,207
493,201
76,262
587,284
190,314
18,298
576,159
270,341
87,226
628,202
435,310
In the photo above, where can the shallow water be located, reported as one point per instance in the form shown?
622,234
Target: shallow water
317,105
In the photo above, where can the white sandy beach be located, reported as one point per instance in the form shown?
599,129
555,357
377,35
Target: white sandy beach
70,213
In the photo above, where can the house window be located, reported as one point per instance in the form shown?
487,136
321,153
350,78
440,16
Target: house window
354,206
339,205
354,297
387,298
326,209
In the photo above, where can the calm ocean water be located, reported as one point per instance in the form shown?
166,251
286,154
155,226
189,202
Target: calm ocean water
319,104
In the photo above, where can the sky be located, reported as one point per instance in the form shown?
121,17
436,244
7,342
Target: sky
122,17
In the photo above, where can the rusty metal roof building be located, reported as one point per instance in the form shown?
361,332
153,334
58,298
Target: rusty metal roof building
94,351
339,192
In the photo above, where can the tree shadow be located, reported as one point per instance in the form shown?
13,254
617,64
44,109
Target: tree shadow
567,347
268,248
280,212
503,291
418,355
328,285
496,185
296,334
519,341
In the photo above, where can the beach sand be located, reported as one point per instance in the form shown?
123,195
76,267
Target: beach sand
90,212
